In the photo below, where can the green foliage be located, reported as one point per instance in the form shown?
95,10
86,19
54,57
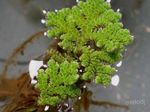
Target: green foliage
92,39
57,82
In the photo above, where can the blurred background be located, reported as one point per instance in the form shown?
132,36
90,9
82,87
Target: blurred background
19,19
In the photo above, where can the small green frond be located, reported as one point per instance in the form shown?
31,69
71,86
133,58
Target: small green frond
57,82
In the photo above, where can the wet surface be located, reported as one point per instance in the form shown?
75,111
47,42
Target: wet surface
20,19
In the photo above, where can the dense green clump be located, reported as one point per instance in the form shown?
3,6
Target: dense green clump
92,39
57,82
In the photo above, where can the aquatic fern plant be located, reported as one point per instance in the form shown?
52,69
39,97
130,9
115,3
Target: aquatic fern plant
91,40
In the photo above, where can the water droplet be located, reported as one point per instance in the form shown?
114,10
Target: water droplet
118,10
84,86
44,11
79,98
45,33
115,80
56,10
119,64
77,1
43,21
81,70
46,108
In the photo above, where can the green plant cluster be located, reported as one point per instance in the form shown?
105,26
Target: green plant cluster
57,82
92,39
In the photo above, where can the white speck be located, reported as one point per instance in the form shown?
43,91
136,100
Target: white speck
66,104
44,11
125,49
45,33
46,108
116,70
89,46
81,70
56,10
43,21
33,81
34,66
45,66
84,86
77,1
115,80
108,1
119,64
79,98
118,10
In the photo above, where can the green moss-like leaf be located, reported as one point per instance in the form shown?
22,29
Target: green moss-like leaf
57,82
92,39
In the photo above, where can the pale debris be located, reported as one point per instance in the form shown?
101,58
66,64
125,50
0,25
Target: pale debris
45,33
84,86
118,10
79,98
34,66
33,81
46,108
119,64
115,80
44,11
81,70
43,21
56,10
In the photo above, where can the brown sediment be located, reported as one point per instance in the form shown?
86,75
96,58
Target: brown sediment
20,49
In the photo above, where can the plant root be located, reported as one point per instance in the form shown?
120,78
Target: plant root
20,49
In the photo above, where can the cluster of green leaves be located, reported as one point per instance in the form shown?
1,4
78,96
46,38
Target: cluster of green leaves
57,82
92,38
